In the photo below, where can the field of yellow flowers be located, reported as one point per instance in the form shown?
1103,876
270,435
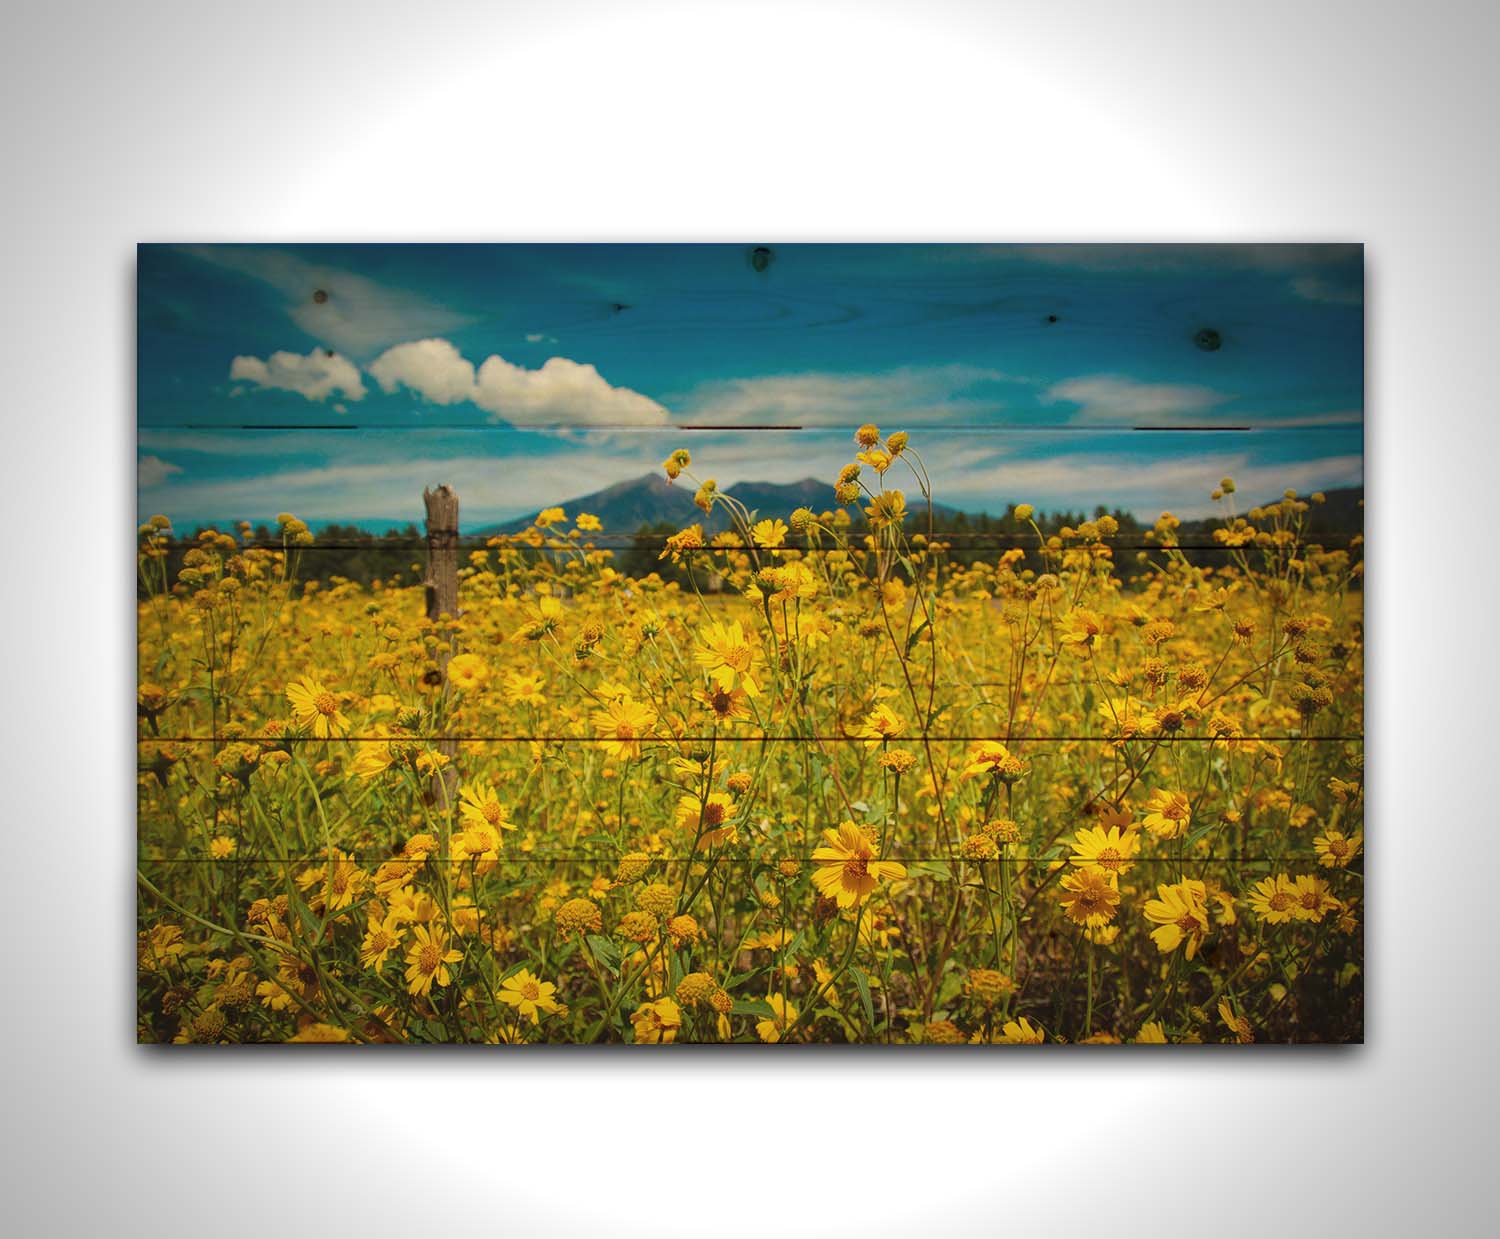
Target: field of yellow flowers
843,786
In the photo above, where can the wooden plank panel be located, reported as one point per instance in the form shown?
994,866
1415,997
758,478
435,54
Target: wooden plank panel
505,476
264,800
320,959
823,336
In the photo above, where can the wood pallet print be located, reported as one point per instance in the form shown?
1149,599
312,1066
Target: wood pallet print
780,644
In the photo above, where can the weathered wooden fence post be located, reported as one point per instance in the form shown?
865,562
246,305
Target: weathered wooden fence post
442,551
442,599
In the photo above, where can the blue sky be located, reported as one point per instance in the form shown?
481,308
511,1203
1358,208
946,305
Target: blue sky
336,381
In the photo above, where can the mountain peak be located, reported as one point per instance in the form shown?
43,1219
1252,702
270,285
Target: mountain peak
651,499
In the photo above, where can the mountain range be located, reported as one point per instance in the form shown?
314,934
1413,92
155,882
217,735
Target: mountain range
650,499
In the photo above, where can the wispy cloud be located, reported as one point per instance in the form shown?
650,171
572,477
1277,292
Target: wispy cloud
1145,487
1116,398
845,399
355,314
151,471
489,489
239,445
1334,292
1335,417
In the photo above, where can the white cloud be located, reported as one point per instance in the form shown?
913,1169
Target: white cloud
153,471
317,375
356,315
560,393
434,369
1115,398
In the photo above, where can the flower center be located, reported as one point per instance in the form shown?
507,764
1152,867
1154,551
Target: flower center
856,868
1188,923
713,813
531,991
325,704
1280,901
624,731
1109,858
430,958
738,657
491,811
1337,847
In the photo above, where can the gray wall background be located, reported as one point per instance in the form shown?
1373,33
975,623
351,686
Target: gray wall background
751,121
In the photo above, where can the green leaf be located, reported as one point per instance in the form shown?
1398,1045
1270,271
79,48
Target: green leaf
862,984
916,632
1205,829
605,951
753,1006
314,926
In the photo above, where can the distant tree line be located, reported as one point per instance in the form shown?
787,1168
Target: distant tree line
356,554
970,538
973,538
338,551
